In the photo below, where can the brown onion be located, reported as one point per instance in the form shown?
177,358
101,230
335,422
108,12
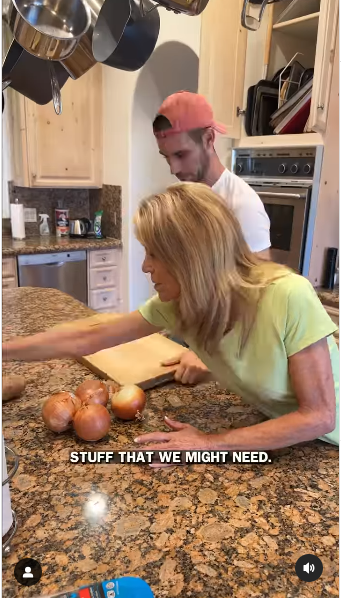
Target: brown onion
59,410
93,392
129,402
92,422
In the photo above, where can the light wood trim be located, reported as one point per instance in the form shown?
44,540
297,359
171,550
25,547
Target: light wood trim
222,61
326,230
323,68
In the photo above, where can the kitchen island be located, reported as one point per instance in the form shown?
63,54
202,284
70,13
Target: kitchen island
200,530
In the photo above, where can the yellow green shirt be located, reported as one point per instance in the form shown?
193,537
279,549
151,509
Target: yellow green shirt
290,317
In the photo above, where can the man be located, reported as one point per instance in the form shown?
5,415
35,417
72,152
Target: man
185,131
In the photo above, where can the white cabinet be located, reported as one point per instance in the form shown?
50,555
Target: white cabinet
232,58
104,280
9,273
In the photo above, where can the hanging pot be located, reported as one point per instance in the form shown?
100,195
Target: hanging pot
49,29
108,20
137,41
250,22
31,76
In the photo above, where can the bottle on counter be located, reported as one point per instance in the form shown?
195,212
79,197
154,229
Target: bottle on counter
44,225
62,222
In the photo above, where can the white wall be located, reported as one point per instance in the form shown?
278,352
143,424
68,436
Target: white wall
131,157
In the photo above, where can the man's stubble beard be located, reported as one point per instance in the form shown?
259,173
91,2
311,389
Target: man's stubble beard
203,168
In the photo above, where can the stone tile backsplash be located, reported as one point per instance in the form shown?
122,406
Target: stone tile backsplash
82,203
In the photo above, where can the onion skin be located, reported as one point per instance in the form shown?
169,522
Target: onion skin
92,422
59,410
93,392
128,402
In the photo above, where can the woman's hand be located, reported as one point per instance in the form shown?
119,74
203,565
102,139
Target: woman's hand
190,370
184,437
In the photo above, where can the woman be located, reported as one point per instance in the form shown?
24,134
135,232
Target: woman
259,328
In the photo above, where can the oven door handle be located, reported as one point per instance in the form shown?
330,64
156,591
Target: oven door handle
280,195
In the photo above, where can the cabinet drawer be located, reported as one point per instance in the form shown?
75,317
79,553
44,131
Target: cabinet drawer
105,257
9,267
9,283
102,278
103,299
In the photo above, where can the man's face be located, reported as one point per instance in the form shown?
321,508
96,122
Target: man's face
188,160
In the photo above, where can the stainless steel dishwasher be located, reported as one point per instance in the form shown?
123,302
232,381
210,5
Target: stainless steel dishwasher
65,271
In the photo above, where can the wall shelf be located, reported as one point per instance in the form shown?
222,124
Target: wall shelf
304,27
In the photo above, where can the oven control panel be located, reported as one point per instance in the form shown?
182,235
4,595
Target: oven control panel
275,163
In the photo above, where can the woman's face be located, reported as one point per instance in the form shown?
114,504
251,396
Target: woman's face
164,282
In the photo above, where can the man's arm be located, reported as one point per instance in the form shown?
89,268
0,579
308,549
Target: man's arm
65,341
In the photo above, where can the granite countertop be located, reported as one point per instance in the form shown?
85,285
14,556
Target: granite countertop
53,244
197,531
329,297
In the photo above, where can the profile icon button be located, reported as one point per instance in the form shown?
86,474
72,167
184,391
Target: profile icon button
27,572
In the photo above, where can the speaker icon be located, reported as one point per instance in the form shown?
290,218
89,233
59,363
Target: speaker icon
309,568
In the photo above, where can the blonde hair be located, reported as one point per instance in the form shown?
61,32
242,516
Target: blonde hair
190,229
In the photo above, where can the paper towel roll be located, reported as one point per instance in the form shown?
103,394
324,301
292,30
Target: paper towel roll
17,221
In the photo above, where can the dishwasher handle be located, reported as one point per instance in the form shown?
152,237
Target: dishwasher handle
58,264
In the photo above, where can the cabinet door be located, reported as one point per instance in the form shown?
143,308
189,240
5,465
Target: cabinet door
324,60
222,61
66,150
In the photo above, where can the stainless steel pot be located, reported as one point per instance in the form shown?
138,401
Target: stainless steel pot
191,8
82,59
109,28
49,29
137,41
29,75
108,20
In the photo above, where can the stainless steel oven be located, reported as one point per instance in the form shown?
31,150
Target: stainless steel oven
287,181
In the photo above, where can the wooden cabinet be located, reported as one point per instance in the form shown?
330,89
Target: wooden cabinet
104,276
232,58
9,273
59,151
222,61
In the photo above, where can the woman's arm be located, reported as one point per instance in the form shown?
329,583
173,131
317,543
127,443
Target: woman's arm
312,380
77,342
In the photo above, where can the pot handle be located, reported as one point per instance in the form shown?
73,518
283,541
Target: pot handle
145,12
56,95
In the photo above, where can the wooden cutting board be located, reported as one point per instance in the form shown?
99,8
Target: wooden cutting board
137,362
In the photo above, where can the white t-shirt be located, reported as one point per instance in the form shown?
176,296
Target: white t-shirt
248,209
